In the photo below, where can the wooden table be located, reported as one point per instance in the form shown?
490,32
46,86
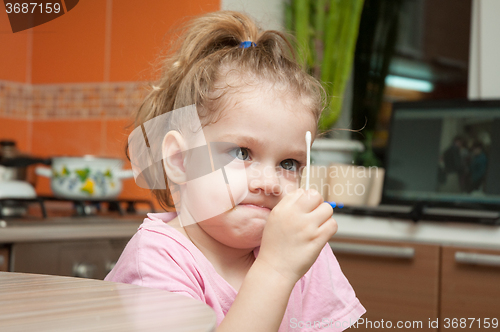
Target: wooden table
35,302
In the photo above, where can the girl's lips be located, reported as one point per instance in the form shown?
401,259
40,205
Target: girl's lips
252,206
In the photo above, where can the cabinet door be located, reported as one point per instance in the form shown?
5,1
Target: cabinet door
4,259
470,288
85,258
396,282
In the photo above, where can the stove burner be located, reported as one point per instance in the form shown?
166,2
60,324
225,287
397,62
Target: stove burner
14,207
82,208
90,208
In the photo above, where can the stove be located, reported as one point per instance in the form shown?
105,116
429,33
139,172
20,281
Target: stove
48,235
21,207
18,207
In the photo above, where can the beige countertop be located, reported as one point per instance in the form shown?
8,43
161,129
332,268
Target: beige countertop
68,228
360,227
430,232
36,302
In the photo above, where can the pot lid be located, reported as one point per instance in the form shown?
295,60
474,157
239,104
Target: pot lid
9,143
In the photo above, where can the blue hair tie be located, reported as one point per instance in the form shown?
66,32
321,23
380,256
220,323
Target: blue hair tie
247,44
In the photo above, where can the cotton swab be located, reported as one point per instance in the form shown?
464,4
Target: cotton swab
308,162
308,167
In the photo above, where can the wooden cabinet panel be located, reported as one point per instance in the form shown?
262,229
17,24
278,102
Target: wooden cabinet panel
88,259
4,259
395,281
470,285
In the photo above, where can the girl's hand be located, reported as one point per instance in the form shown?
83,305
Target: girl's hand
297,229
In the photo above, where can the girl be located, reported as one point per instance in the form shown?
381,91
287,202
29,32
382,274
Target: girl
262,262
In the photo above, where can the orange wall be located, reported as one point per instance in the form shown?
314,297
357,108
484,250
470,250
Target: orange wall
14,67
13,51
71,47
17,130
107,40
97,41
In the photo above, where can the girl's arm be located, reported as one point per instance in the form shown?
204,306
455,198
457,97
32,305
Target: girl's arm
261,301
296,231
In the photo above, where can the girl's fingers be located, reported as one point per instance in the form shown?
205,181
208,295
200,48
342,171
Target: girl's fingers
288,201
321,214
327,230
309,200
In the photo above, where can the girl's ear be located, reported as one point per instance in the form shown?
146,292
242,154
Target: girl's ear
173,151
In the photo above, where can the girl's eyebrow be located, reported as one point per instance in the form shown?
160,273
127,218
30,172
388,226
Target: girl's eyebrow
300,155
242,139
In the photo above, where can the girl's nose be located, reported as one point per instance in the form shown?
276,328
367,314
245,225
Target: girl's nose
264,179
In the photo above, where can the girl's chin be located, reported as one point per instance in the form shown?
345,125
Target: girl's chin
248,237
248,231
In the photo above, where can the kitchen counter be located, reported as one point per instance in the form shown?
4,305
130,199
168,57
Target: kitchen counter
362,227
68,228
442,233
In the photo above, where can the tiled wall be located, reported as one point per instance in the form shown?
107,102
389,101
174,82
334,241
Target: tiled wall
69,87
70,100
71,119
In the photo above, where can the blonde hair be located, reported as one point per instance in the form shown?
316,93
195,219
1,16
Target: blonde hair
209,48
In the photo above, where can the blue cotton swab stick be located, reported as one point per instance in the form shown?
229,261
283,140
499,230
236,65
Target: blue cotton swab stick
308,167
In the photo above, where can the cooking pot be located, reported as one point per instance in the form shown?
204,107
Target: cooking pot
85,178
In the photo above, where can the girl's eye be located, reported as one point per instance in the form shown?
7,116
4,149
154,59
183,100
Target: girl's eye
240,153
290,164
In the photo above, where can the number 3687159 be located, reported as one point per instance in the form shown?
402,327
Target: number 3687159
32,8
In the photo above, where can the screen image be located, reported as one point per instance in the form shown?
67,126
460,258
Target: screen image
444,153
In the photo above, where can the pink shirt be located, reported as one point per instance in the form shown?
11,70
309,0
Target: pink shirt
158,256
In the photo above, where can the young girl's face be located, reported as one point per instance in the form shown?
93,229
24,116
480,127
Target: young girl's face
268,130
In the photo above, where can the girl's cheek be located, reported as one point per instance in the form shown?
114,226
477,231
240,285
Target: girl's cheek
290,181
237,179
289,186
206,197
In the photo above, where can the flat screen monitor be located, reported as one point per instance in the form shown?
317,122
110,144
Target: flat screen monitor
444,153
